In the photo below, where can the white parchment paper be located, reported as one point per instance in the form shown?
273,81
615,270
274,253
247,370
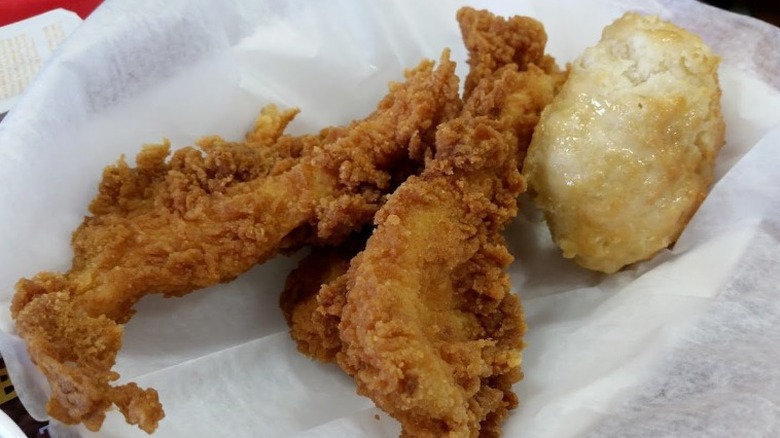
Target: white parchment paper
687,336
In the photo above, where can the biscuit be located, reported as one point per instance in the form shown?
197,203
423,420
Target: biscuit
624,155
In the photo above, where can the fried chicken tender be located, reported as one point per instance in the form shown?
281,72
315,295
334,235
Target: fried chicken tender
426,322
430,330
625,154
202,218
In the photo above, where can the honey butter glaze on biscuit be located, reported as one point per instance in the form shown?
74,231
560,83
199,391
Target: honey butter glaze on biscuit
624,155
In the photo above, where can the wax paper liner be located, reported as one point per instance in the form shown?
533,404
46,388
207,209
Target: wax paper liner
684,336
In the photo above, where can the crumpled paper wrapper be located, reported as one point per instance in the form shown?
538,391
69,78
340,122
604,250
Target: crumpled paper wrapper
25,46
681,345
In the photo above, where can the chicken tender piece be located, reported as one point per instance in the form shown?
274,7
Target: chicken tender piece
430,329
624,155
424,318
172,226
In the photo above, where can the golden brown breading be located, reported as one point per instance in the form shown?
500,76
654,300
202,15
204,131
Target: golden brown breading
625,154
197,220
493,42
313,297
426,322
430,329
